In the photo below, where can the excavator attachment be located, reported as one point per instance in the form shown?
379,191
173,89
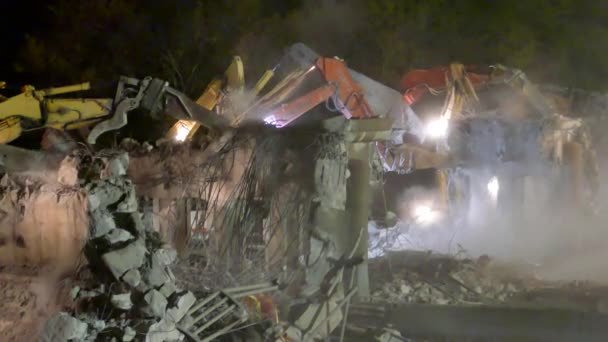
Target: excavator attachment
39,109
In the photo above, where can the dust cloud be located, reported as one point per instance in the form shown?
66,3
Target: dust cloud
559,241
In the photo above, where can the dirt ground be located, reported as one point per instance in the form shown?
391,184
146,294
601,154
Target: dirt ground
28,297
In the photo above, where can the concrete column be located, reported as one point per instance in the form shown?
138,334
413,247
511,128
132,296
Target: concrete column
358,207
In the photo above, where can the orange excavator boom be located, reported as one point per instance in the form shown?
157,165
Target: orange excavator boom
346,94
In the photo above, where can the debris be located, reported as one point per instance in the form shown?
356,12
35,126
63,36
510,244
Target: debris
162,331
132,277
118,235
164,256
122,260
168,289
440,279
63,327
129,334
104,193
182,304
102,222
157,276
122,301
118,165
157,303
74,292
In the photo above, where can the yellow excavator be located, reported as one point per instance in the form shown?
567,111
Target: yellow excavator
50,108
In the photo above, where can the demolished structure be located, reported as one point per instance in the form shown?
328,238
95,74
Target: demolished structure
234,229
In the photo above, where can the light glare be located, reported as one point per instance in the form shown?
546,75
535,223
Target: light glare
493,187
183,129
437,128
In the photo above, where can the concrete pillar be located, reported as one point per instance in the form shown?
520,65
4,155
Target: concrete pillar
358,207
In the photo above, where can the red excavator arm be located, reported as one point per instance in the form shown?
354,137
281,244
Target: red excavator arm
341,88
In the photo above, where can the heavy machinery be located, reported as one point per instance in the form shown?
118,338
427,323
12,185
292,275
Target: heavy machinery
38,109
490,133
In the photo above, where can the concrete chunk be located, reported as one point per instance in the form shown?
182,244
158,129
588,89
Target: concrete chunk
63,327
164,256
122,301
157,303
181,307
122,260
163,331
103,222
157,276
168,289
129,203
103,193
118,165
118,235
129,334
132,277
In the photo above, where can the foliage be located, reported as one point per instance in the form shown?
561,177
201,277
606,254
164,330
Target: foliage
189,41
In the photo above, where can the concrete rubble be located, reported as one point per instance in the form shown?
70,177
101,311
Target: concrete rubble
427,278
143,301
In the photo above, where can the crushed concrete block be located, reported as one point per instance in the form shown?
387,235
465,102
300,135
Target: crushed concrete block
162,331
164,256
103,222
129,204
157,276
118,235
405,289
103,193
180,308
168,289
98,325
129,334
157,304
63,327
119,165
122,301
122,260
132,277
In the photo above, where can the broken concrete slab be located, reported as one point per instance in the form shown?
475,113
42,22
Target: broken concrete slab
168,289
132,277
129,202
122,260
163,331
122,301
103,222
157,276
118,235
164,256
156,304
183,303
104,193
63,327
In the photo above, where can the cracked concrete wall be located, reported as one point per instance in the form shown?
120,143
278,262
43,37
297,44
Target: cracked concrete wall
45,226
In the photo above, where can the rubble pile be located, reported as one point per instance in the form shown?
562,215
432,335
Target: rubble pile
424,278
131,294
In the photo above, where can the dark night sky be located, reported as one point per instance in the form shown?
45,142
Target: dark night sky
18,19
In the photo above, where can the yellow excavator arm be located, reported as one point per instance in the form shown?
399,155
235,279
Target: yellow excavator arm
38,109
